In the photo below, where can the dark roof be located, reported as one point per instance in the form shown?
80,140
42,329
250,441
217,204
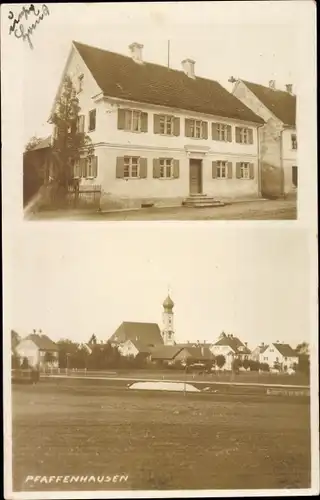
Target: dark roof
281,103
261,348
233,342
142,348
199,352
167,352
286,350
42,342
121,77
147,334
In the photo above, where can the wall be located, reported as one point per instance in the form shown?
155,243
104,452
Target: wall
128,349
225,351
289,157
270,148
271,355
27,349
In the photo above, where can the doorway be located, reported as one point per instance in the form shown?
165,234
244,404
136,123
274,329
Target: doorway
195,176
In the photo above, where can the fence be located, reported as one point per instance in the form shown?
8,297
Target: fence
84,196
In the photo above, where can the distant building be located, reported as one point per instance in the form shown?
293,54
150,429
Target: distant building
231,348
280,354
277,138
39,350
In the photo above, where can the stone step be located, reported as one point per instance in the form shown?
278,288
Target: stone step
202,201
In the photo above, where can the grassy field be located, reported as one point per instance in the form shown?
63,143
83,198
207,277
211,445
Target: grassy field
159,440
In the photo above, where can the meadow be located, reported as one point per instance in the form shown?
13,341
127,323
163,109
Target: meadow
162,441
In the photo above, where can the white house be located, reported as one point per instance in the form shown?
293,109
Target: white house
231,348
161,135
39,350
277,138
280,354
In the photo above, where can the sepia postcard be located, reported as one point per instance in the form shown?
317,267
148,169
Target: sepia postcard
159,174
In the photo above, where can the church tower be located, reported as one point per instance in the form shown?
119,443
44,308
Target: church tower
167,322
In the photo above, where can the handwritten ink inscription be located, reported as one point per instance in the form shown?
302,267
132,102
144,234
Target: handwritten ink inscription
36,16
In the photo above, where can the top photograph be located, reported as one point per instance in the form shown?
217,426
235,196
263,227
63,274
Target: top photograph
198,126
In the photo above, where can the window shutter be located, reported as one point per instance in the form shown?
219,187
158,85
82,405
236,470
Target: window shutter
83,167
121,119
238,170
143,168
214,170
156,124
229,170
238,134
176,126
229,133
176,169
250,136
214,128
144,122
120,167
251,170
187,130
205,130
94,166
156,168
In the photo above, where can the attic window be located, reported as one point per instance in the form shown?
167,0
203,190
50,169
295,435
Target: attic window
80,83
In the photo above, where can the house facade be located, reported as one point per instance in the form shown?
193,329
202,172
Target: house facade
281,355
161,135
278,143
231,348
39,350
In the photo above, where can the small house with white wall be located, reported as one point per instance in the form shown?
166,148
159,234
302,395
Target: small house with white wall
231,348
281,355
39,350
278,142
161,136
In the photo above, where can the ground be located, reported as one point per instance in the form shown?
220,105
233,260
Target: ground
159,440
250,210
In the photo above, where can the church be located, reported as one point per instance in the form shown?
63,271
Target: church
157,344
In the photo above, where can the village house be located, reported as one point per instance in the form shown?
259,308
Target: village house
39,350
277,354
231,348
277,138
161,136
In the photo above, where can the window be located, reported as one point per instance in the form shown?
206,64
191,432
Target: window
85,167
196,129
131,167
91,166
222,132
166,124
244,171
294,143
222,169
76,169
265,359
295,176
80,83
92,120
133,120
80,124
244,136
166,168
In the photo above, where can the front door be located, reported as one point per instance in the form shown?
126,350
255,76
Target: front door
195,176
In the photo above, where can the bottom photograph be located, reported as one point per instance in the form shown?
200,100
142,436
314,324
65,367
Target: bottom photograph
160,359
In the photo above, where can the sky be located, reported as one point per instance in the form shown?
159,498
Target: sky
255,41
252,281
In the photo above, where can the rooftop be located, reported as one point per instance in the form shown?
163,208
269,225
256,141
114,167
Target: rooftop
121,77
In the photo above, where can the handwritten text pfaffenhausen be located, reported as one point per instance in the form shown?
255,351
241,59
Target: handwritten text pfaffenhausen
35,14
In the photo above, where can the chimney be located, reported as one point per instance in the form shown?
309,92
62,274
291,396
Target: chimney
272,84
188,67
136,51
232,79
289,87
246,344
34,330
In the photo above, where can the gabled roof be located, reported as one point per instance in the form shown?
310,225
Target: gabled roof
281,103
142,348
286,350
121,77
167,352
233,342
42,342
147,333
261,349
199,352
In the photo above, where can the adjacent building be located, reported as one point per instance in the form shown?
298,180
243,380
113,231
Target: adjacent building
231,348
161,136
39,350
278,142
278,355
